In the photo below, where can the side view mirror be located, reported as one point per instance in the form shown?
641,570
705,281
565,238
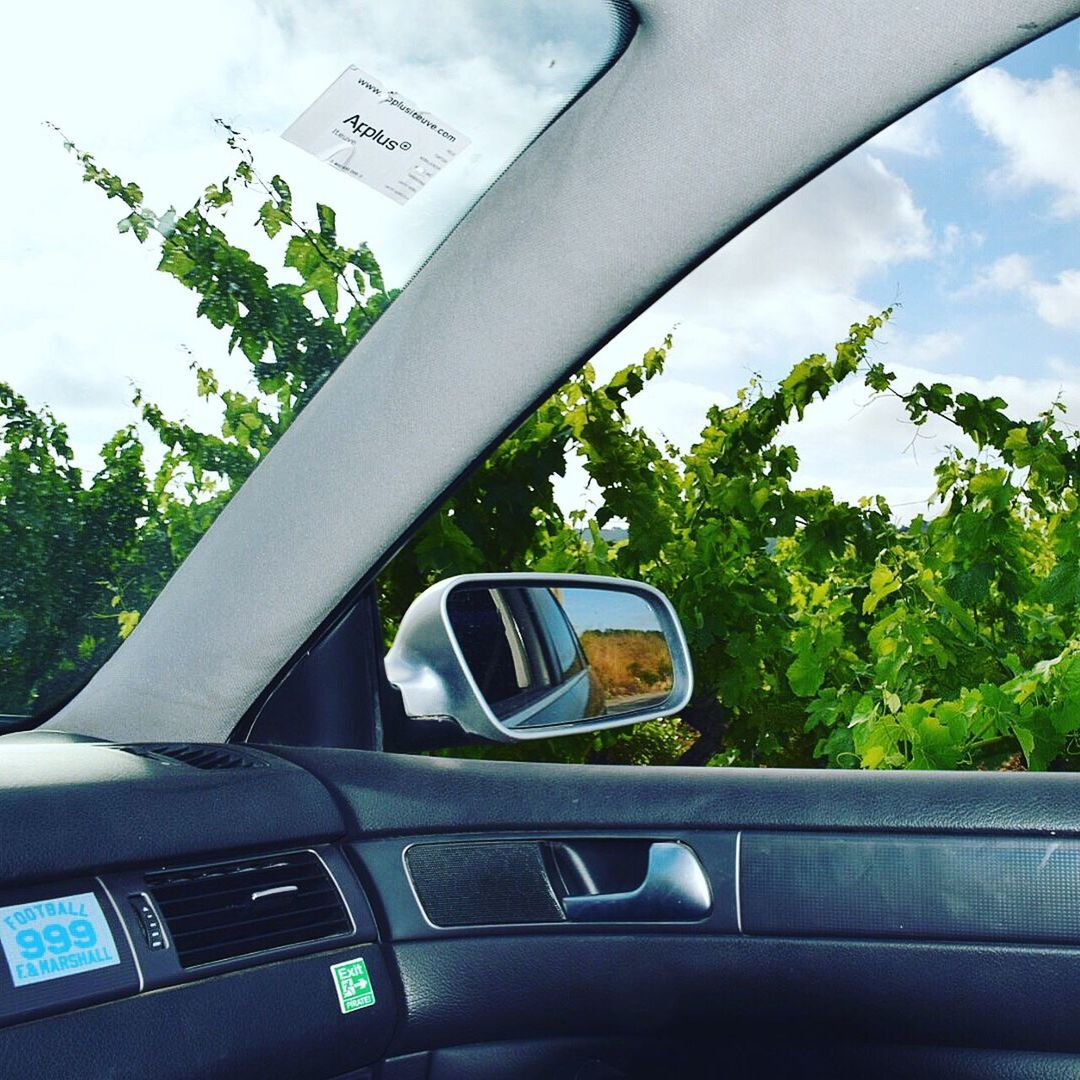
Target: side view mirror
529,656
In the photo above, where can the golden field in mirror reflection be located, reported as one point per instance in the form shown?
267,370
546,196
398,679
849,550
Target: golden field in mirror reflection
631,667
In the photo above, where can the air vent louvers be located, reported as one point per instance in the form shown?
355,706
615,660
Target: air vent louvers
200,756
226,910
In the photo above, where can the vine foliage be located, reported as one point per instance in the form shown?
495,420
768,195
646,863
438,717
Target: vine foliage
822,632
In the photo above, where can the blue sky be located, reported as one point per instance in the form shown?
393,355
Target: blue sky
966,182
966,213
606,609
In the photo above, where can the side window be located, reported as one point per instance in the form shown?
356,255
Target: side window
563,642
491,644
844,448
517,643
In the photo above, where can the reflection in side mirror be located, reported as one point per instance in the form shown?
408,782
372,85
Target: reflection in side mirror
541,656
521,656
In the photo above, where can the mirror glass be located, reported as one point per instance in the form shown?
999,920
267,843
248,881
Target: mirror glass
544,656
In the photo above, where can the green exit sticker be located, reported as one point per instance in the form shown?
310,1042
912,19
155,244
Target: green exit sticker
353,985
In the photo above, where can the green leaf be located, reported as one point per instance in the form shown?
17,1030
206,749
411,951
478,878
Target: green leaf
135,222
970,587
176,261
988,481
217,196
283,191
317,274
874,757
1061,587
1026,740
878,379
272,218
865,710
883,583
806,674
1017,439
327,223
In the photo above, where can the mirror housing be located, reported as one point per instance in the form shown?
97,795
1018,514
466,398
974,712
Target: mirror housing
512,657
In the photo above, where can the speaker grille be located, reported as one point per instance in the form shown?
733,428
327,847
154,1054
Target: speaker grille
483,883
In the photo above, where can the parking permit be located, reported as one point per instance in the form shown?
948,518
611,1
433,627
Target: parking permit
375,135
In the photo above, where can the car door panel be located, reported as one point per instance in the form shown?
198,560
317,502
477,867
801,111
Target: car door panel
920,904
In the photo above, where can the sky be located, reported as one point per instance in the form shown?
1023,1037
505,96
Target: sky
85,317
964,214
606,609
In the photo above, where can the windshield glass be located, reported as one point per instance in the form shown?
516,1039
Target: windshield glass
153,138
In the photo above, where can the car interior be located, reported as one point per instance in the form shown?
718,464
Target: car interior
228,854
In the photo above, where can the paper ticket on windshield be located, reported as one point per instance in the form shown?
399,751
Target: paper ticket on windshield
375,135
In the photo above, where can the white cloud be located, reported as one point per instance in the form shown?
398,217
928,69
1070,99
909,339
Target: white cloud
853,220
1059,303
1009,273
1056,302
674,410
926,351
914,134
790,282
955,240
1035,121
1067,369
951,237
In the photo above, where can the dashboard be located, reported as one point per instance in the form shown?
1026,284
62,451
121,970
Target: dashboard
187,909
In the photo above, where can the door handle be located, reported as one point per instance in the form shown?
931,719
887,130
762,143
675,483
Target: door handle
675,889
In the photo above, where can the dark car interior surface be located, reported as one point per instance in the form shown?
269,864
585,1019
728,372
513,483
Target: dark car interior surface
588,921
282,885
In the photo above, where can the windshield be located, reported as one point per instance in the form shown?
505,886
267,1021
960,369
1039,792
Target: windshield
286,167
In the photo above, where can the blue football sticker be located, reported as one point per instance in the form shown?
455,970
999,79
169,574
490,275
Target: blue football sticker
51,939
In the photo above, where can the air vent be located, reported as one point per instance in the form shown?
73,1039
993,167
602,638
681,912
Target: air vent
234,909
200,756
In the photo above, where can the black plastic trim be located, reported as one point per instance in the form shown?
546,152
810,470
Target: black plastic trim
942,888
383,867
162,967
400,795
701,1056
281,1019
463,990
